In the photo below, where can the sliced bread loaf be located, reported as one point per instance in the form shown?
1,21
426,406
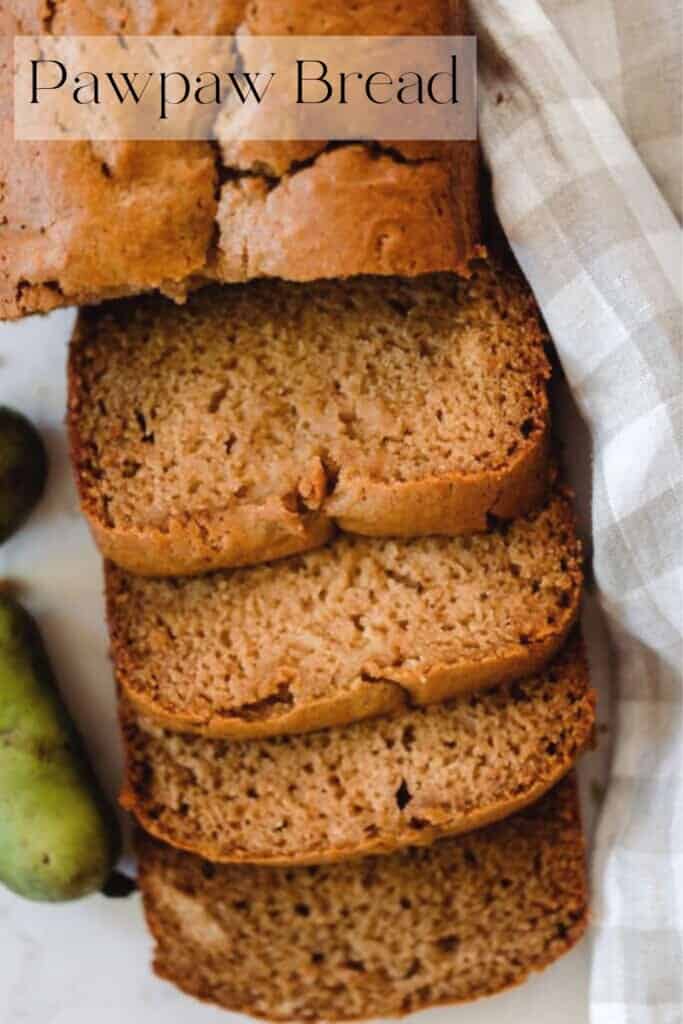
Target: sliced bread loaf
240,427
355,629
377,937
371,787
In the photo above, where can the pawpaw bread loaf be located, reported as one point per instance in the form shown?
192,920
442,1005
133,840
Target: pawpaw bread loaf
378,937
81,222
361,627
242,426
371,787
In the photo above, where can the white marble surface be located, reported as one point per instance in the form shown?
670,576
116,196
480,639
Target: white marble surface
88,962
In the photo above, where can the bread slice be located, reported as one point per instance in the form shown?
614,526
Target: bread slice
372,787
359,628
379,937
241,426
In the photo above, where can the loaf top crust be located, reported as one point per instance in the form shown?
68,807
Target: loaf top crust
82,221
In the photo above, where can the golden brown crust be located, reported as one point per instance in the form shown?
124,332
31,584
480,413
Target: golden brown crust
365,700
451,504
200,543
363,17
67,240
84,222
354,210
193,909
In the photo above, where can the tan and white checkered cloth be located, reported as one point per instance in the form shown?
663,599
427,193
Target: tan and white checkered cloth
580,112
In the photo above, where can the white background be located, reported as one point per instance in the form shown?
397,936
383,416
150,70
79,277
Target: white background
88,962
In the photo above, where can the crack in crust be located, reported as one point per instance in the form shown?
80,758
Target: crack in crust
206,213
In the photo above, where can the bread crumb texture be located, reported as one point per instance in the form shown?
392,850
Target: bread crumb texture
371,787
378,937
243,425
84,221
358,628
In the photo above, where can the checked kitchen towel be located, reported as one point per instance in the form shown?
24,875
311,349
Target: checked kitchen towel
580,119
